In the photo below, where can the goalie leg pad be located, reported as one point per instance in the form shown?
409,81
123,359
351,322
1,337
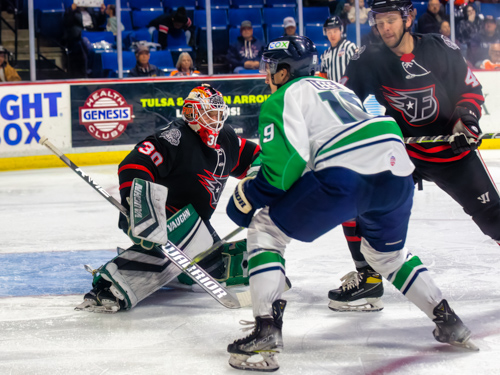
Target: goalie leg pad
137,273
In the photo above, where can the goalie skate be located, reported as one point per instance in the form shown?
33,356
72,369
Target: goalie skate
258,351
450,329
360,291
103,298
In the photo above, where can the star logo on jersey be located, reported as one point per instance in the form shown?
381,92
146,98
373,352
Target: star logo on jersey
418,107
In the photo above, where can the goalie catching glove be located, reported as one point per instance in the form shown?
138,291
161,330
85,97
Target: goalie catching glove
465,130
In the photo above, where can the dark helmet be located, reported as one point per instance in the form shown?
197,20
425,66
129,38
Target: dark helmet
384,6
332,22
298,52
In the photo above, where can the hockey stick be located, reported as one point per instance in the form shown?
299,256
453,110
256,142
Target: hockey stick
172,252
444,138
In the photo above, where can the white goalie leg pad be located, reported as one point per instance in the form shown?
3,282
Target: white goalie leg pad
266,245
138,274
407,273
148,218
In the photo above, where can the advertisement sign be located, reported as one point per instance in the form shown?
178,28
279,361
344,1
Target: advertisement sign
126,113
30,111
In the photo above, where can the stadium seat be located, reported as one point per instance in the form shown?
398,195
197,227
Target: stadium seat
215,4
49,18
315,16
163,60
48,5
146,5
281,3
126,19
315,33
141,34
237,16
110,63
97,36
490,9
351,31
247,3
421,7
170,5
274,32
275,16
141,18
219,19
178,43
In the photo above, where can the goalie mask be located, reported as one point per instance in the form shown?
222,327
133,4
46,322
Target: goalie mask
205,111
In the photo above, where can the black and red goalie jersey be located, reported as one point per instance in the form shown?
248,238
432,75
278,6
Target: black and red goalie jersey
176,157
419,90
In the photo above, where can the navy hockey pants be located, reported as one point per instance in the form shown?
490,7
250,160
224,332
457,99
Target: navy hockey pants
321,200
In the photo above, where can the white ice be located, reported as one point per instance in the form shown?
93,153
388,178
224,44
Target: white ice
52,222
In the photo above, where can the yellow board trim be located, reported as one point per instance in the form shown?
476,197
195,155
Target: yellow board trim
113,157
52,161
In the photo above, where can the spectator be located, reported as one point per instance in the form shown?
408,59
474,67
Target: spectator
143,68
76,19
430,21
363,12
246,52
493,61
445,29
174,24
112,24
185,66
469,26
480,42
290,26
7,72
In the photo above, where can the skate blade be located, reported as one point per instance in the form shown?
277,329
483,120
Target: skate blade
371,305
268,363
467,344
90,306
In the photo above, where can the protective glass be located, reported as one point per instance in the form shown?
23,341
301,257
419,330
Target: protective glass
268,65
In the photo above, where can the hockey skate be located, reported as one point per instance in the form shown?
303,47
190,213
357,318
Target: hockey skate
101,298
265,341
360,291
450,329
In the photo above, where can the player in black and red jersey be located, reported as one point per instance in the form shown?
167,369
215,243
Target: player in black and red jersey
193,157
425,84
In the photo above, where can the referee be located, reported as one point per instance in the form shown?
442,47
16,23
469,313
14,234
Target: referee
335,59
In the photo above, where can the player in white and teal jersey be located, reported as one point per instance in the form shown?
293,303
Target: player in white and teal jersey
324,161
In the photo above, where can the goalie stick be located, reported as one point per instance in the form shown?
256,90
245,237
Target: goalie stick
444,138
172,252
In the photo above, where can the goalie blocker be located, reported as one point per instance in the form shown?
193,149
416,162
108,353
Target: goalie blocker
136,273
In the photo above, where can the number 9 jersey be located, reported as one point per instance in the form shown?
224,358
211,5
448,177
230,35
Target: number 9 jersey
312,123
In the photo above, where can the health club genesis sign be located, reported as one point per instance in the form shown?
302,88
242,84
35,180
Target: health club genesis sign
105,114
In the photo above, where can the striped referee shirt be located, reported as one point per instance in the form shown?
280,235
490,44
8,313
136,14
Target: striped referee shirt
335,59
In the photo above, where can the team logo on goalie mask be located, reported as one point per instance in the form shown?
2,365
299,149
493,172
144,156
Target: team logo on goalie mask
105,114
418,107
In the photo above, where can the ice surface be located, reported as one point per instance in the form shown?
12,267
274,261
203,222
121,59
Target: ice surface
52,223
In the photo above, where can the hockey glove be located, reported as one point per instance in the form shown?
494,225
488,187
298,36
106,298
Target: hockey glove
465,130
240,209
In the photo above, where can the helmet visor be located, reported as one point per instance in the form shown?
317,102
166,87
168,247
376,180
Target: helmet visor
268,65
